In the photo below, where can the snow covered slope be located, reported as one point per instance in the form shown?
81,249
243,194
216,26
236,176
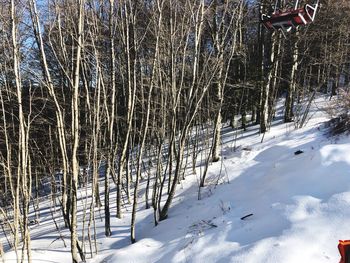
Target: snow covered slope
300,205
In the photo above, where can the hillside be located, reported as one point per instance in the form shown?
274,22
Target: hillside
299,205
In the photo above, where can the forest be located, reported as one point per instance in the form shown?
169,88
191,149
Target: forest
111,94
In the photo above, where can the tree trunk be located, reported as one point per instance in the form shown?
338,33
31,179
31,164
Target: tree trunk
75,133
288,115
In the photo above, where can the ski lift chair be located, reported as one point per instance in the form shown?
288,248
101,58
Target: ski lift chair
291,18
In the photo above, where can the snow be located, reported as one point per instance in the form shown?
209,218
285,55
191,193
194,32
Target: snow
300,205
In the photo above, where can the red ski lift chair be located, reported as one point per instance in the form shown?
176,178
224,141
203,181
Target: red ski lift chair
291,18
344,250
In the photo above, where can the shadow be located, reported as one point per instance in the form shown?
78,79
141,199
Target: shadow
266,189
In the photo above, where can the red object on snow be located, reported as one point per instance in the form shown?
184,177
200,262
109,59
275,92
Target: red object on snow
344,250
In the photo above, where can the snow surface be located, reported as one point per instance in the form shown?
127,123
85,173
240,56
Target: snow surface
300,206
